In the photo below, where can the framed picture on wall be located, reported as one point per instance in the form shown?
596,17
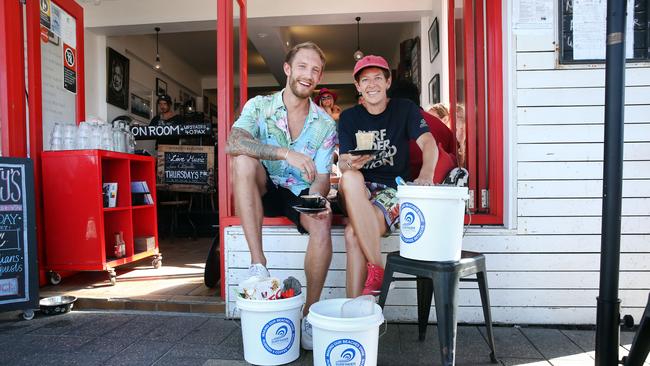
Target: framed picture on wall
434,40
161,87
434,89
117,83
141,106
415,63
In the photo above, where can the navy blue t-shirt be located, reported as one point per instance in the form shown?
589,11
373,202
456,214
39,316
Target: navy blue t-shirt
393,128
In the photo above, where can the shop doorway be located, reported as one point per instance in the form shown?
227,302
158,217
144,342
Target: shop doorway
231,86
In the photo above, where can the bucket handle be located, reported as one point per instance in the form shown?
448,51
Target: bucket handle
232,316
469,219
385,329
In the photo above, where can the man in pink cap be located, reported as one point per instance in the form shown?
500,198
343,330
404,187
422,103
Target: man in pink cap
368,187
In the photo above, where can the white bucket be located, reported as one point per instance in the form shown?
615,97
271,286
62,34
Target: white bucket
344,341
431,222
271,330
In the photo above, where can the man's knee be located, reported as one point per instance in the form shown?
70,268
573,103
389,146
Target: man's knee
246,171
351,180
320,231
243,165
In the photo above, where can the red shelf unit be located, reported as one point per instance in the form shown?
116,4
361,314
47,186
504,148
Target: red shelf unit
79,230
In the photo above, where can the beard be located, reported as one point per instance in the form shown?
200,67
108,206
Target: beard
299,90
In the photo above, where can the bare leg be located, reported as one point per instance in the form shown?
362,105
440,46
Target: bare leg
251,185
366,219
356,267
318,256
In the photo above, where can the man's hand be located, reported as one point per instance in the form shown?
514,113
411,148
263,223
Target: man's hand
304,163
322,215
349,161
423,181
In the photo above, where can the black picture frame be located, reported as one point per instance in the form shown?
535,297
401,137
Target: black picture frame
434,89
140,106
161,87
434,40
117,79
415,63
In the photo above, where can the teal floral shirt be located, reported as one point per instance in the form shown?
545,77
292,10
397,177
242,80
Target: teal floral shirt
265,117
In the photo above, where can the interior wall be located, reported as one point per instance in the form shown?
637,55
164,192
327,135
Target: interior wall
95,75
141,52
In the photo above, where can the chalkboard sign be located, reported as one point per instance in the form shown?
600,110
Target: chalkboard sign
18,266
186,168
175,130
582,30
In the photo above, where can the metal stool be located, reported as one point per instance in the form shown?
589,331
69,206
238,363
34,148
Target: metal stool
441,279
641,344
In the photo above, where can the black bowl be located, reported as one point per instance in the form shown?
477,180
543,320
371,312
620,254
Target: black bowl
57,304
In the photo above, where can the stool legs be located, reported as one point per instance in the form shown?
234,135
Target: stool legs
487,314
425,293
445,291
385,285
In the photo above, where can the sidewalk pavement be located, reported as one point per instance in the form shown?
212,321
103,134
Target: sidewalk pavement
154,338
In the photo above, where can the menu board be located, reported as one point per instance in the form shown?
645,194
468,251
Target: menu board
174,130
18,267
583,31
186,168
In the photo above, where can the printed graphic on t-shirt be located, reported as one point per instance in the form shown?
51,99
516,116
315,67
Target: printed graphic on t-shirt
386,155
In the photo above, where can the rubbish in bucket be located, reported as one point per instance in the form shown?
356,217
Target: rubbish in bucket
431,222
258,288
350,341
271,329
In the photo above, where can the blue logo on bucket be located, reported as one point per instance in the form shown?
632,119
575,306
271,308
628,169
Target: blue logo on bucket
276,337
345,352
282,331
412,223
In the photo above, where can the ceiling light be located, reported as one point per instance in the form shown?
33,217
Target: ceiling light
157,65
358,55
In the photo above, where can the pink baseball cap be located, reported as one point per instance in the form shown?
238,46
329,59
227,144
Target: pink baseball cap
370,61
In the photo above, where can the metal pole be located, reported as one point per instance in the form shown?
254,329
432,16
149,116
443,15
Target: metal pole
608,313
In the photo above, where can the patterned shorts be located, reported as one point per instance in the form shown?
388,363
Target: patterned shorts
386,199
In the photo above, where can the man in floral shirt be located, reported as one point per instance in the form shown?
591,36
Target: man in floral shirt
282,147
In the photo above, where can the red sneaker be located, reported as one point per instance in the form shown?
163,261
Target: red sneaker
374,280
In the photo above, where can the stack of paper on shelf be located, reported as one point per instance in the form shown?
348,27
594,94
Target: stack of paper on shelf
140,193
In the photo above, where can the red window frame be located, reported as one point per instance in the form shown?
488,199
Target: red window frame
12,81
225,104
485,172
36,101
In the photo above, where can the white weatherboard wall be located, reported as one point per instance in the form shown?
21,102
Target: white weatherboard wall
559,117
545,270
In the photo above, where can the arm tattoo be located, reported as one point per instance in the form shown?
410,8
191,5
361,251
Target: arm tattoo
241,142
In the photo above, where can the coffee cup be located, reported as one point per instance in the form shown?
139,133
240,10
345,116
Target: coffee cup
313,201
364,140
